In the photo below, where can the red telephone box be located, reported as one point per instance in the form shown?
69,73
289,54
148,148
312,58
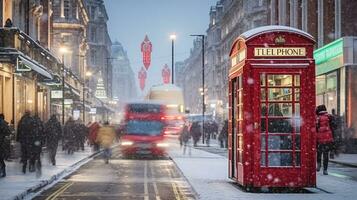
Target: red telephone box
272,108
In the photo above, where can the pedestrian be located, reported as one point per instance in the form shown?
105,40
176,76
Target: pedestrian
92,135
106,137
69,136
324,137
223,135
4,133
185,137
53,131
24,132
78,135
195,132
37,142
336,126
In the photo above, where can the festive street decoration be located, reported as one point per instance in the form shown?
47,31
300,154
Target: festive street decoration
142,78
100,92
166,74
146,49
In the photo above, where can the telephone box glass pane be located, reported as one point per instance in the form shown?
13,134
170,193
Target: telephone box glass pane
276,159
297,125
297,110
297,159
279,94
263,110
280,80
262,79
262,141
297,80
262,94
263,125
280,109
297,94
297,142
280,142
279,126
262,158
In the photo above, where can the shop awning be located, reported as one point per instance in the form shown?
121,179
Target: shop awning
34,66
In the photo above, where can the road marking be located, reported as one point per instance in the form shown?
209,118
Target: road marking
60,191
174,188
146,190
154,183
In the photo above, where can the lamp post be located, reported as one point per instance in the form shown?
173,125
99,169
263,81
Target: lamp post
63,50
86,74
203,86
173,38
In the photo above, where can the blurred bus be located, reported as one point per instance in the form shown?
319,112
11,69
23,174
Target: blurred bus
172,97
143,129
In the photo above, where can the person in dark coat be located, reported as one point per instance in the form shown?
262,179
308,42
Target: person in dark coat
185,138
223,135
4,133
336,126
324,137
69,136
24,134
37,142
53,131
196,132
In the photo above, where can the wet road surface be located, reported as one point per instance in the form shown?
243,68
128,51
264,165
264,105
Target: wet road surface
122,179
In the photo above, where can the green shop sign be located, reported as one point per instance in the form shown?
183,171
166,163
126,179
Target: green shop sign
329,51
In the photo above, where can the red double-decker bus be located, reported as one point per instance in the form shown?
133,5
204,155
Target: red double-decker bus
143,129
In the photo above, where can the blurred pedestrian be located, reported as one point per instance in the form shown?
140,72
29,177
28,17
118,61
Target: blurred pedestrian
106,137
336,126
37,142
79,135
53,131
69,136
185,138
324,137
223,135
92,136
4,133
196,132
24,134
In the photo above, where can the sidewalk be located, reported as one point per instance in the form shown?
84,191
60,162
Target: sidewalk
17,185
207,173
346,159
343,159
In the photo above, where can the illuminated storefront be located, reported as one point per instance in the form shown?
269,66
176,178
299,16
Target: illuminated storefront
336,83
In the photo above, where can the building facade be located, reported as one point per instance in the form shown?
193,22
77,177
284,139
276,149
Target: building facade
99,57
69,32
325,20
28,68
124,84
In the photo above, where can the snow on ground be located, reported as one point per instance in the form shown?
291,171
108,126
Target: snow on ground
207,173
16,183
346,158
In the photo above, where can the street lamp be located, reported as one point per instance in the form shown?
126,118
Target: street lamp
203,85
173,38
86,74
63,50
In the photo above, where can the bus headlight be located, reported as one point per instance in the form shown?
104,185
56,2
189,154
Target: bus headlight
162,144
127,143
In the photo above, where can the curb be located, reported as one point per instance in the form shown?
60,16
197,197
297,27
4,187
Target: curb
194,192
55,177
344,163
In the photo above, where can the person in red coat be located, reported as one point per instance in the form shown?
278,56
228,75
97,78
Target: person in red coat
324,137
93,132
